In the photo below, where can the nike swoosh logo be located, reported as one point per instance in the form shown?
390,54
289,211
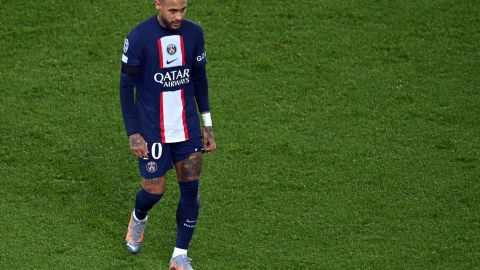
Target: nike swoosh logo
191,221
169,62
133,247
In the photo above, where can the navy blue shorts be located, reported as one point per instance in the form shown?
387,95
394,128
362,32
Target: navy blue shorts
162,156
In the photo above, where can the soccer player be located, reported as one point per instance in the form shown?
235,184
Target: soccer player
163,86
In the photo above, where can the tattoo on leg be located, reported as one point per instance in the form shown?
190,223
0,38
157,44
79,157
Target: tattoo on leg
153,181
192,166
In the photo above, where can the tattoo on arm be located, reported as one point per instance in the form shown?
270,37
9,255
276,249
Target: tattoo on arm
209,131
136,140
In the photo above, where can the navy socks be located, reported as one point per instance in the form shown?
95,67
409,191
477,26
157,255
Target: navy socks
187,213
144,202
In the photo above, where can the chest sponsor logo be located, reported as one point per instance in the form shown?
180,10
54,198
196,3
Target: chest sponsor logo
173,78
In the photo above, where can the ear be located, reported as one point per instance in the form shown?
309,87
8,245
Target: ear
158,5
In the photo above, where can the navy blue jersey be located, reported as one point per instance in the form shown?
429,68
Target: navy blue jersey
165,104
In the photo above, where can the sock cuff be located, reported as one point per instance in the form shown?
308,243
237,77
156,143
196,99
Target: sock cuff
150,195
189,185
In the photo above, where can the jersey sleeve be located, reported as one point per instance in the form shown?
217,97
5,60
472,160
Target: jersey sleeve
132,50
199,74
127,102
200,55
131,63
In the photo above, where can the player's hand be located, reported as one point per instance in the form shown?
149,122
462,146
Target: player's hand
208,140
138,146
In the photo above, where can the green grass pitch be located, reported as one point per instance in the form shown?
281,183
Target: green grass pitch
348,136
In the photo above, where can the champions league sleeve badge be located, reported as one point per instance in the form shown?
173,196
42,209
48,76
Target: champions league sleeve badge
125,45
125,49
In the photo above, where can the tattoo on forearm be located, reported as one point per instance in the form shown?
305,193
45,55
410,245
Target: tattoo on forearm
209,131
192,165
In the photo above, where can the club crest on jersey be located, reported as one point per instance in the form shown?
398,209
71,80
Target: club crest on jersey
171,49
151,167
125,45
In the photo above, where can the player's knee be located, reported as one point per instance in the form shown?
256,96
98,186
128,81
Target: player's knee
191,168
154,185
154,189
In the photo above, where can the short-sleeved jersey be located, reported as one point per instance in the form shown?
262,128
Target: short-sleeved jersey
164,96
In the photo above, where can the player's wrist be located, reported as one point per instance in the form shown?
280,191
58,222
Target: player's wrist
207,119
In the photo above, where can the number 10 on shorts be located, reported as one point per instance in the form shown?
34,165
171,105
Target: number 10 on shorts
156,150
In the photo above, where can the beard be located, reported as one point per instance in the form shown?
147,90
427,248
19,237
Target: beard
169,24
